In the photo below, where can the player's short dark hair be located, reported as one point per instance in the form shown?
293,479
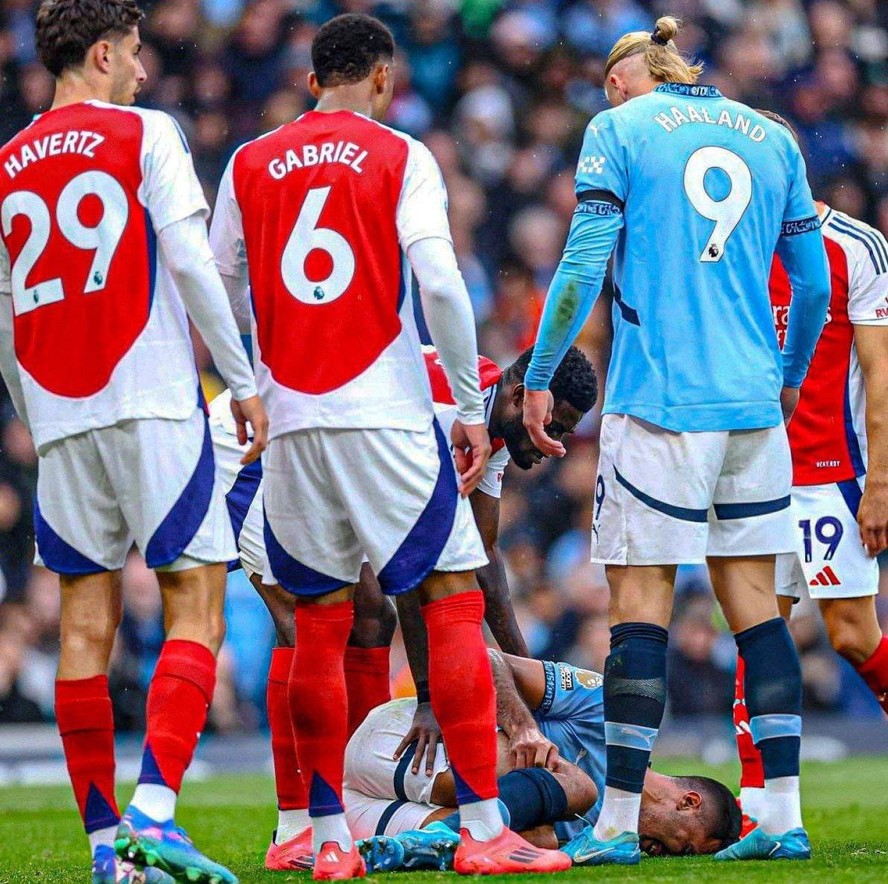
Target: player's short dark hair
66,29
574,382
723,816
346,48
781,121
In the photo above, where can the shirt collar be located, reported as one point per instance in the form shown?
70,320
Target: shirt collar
689,90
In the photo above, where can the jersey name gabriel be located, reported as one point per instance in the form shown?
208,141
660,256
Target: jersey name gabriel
100,332
827,433
446,413
324,210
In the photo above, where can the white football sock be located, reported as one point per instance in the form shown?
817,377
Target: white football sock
158,802
782,807
290,824
101,836
482,818
619,813
330,828
752,800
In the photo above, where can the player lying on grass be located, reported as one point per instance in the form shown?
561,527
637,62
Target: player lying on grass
574,389
839,442
551,767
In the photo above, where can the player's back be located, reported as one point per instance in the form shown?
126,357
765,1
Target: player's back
707,184
98,336
321,201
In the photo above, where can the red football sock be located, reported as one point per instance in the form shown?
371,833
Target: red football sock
86,724
459,669
874,672
178,699
319,702
288,783
367,682
752,771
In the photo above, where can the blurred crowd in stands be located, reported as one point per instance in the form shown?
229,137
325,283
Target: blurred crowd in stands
500,91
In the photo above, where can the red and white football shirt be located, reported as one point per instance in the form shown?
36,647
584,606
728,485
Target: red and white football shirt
321,212
827,433
101,335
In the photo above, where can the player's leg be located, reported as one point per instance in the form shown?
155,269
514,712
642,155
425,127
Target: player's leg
854,632
367,673
314,554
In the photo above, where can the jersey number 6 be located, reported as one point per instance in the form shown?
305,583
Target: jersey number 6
103,238
727,211
306,238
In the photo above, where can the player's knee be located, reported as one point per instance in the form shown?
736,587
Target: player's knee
87,630
845,638
579,789
216,629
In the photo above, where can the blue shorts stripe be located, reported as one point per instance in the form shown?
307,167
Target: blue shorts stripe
240,498
725,511
854,451
58,555
768,727
676,512
630,736
387,815
292,575
184,519
423,545
401,770
850,490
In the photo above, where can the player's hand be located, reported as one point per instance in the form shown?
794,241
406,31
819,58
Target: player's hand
251,411
471,450
538,405
789,400
872,516
529,748
427,733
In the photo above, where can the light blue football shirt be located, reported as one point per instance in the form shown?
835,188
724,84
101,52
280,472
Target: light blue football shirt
707,187
572,717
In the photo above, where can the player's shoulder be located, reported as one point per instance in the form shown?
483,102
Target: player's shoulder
859,241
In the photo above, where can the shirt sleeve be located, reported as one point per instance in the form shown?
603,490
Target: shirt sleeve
800,213
422,208
603,165
227,228
492,481
868,282
8,360
172,191
570,692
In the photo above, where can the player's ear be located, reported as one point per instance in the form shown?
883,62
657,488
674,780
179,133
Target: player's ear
517,395
313,85
101,52
381,77
690,801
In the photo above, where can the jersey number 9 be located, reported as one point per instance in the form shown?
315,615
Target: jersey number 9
727,211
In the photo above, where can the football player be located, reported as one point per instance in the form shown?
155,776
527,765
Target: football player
104,258
695,193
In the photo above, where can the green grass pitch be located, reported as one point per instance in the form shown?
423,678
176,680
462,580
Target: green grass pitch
231,818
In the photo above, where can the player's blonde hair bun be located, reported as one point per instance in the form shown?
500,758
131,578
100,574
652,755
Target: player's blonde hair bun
664,62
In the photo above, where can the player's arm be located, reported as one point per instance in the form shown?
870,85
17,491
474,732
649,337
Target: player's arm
803,254
602,187
868,312
424,730
177,208
527,745
424,233
498,610
8,362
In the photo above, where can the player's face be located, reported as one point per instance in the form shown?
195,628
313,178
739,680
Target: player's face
523,452
126,70
667,830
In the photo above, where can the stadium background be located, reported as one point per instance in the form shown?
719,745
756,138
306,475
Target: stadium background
500,91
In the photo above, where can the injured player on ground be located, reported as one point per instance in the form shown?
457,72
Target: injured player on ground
551,768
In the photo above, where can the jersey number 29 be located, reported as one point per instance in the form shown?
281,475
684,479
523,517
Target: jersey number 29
727,211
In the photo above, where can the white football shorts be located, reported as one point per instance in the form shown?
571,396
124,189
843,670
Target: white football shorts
664,498
335,497
829,558
373,781
242,486
148,481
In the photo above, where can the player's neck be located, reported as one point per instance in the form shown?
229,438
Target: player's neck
72,88
353,97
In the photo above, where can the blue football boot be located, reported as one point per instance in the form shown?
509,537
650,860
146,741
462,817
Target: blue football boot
108,869
757,844
586,850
